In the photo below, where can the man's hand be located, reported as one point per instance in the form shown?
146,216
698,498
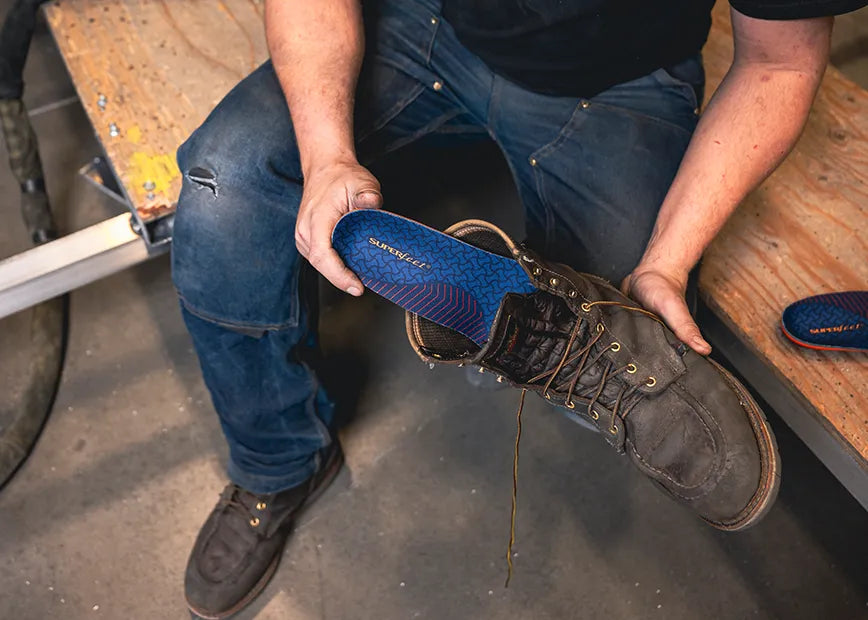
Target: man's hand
748,127
316,49
330,192
663,294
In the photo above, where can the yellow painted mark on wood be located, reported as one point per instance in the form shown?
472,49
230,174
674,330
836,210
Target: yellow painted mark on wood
134,134
156,172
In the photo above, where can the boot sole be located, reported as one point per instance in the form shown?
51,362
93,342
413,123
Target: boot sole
770,460
427,272
333,466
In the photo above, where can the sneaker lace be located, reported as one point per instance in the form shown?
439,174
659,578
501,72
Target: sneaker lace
628,396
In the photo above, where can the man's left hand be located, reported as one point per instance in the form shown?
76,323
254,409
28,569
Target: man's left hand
663,294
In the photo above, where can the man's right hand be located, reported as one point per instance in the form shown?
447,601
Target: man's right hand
330,191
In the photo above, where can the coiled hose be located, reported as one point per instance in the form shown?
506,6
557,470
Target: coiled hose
49,320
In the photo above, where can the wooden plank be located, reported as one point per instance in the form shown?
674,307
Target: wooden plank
803,232
161,66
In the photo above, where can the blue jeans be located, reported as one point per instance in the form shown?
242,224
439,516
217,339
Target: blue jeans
591,175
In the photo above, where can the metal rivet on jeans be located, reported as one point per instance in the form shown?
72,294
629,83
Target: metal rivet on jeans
532,161
586,105
437,85
434,21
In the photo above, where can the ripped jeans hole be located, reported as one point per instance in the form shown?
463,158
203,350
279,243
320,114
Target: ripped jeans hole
204,178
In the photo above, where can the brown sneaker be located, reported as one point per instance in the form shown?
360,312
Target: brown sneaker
683,420
240,544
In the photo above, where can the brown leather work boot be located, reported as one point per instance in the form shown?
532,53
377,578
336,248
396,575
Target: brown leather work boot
682,419
240,544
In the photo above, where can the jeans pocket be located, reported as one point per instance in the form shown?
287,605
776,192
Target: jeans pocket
383,92
566,131
686,77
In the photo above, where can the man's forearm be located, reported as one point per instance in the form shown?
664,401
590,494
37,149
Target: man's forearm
750,125
316,48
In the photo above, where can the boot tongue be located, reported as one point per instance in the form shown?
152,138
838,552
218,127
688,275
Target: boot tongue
530,340
530,336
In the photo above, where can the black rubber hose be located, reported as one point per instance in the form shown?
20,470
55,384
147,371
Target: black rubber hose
15,36
49,320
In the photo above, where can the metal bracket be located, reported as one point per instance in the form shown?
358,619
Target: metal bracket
156,232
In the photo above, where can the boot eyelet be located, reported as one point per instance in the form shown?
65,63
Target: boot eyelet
631,368
548,396
537,271
595,415
651,382
554,281
586,307
613,430
600,328
573,294
615,346
570,404
526,258
254,522
260,506
499,378
481,370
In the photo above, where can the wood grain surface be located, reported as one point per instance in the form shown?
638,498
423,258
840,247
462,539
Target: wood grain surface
161,66
803,232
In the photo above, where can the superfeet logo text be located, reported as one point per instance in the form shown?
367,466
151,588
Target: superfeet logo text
399,255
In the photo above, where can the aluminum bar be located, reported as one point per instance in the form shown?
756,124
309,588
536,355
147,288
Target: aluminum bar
72,261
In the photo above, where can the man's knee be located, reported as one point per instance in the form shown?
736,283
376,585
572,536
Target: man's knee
234,258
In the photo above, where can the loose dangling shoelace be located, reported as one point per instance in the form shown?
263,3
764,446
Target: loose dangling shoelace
593,393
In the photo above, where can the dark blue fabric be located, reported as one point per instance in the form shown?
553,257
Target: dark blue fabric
591,174
579,47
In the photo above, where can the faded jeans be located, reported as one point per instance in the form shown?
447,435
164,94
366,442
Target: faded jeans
591,174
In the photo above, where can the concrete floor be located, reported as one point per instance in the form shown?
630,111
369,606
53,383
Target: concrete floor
99,521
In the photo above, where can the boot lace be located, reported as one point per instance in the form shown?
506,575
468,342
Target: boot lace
231,499
628,396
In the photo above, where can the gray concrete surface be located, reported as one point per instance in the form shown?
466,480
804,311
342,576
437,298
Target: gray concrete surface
99,521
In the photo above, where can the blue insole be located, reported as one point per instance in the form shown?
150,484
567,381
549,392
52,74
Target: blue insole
427,272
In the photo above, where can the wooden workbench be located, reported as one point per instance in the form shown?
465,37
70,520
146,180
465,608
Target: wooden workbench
803,232
149,71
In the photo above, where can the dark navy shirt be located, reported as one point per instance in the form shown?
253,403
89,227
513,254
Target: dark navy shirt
582,47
